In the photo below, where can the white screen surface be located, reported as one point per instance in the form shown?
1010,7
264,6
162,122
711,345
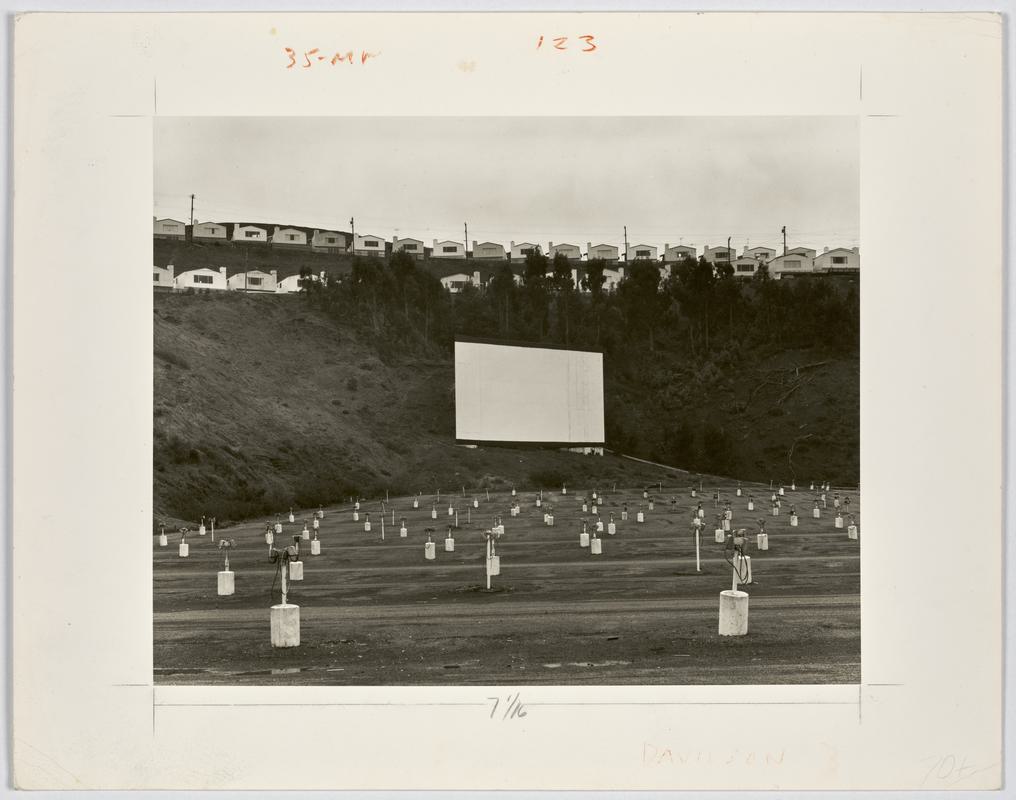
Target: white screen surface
506,393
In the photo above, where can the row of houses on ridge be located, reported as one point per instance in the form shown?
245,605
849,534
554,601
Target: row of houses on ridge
442,257
255,281
796,261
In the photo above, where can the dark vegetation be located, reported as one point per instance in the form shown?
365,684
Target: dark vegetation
266,402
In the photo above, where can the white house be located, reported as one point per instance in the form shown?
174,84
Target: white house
641,252
839,259
448,249
328,242
488,250
169,229
291,283
745,266
574,277
521,250
250,233
763,254
603,252
202,278
679,252
795,261
254,280
413,247
569,251
288,237
612,278
162,277
460,280
717,254
208,232
366,245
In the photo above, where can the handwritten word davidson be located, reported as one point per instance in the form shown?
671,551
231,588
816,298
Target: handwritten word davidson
657,756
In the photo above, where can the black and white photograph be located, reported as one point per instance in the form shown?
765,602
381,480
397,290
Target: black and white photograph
502,411
506,400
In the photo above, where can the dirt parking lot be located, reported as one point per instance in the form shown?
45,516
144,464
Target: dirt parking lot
376,612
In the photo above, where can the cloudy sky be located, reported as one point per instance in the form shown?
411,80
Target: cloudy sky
695,180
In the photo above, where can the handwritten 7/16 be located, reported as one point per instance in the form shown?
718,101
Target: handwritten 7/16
561,43
513,707
315,56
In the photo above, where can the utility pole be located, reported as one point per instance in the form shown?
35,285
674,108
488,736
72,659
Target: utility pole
626,243
192,210
784,240
352,233
465,250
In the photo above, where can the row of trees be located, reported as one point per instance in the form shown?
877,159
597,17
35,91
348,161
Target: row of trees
696,310
684,381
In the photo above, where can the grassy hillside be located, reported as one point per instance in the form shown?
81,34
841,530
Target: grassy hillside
262,402
782,415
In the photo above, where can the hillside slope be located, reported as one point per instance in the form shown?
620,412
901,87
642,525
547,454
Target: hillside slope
262,403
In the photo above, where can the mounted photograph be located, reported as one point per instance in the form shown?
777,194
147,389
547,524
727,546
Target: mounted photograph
506,401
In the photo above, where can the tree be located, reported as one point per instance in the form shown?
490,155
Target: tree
403,267
563,286
306,281
561,280
641,299
535,270
594,279
501,293
535,293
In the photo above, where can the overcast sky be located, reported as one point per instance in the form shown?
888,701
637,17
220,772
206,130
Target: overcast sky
537,179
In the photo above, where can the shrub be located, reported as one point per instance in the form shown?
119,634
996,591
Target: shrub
180,452
171,358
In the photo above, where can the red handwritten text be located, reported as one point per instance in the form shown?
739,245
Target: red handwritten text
314,56
587,43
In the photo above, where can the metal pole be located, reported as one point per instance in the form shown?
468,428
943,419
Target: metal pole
698,561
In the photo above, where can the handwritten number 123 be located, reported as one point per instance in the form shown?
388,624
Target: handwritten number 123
561,43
